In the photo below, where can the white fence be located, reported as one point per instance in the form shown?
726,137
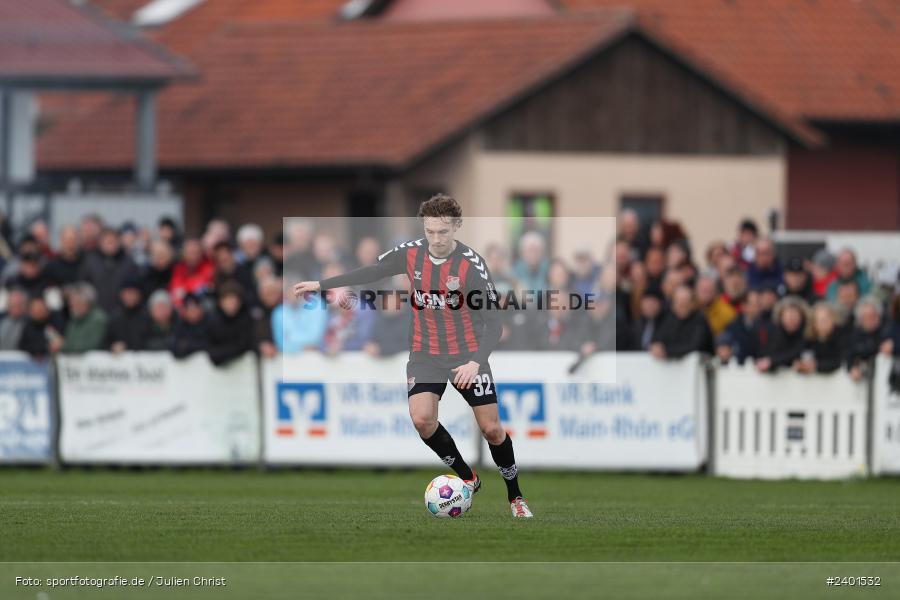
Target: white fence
622,411
785,424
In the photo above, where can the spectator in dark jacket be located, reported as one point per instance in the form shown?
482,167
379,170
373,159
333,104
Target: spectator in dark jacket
390,334
42,333
270,292
683,328
825,349
748,335
66,267
797,281
868,338
789,338
157,274
191,330
651,314
765,268
129,325
227,268
32,276
12,324
231,327
105,270
160,335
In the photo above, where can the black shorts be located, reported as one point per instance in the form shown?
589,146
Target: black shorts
426,375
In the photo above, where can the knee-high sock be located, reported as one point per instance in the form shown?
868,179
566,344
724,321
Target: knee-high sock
505,460
443,445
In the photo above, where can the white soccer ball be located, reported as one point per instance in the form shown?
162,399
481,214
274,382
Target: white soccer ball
448,496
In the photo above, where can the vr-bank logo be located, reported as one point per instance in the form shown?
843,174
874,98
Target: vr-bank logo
299,404
521,407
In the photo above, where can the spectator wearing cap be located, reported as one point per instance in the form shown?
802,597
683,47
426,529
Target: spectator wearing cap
797,280
748,335
135,242
846,267
106,269
190,333
87,325
157,273
683,328
717,311
270,292
765,268
12,322
826,348
32,276
649,316
231,332
42,335
743,249
533,264
227,268
823,272
193,274
65,268
129,325
251,244
869,337
161,333
789,336
167,230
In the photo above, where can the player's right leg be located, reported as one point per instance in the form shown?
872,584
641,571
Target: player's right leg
424,392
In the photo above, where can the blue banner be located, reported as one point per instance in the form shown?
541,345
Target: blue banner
26,417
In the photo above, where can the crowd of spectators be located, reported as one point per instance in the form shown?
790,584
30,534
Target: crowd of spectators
128,288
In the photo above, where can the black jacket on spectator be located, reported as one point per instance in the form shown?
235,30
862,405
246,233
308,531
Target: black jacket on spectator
262,324
863,345
230,337
829,353
188,338
786,347
63,271
391,333
106,274
642,333
159,338
152,279
747,341
129,325
683,336
34,336
33,286
243,274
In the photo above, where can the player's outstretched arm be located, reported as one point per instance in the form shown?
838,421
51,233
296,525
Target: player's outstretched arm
390,263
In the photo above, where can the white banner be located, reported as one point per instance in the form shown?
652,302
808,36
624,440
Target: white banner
782,425
618,411
26,423
886,421
149,408
351,410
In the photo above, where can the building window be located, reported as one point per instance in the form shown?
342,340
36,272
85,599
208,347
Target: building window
649,207
530,212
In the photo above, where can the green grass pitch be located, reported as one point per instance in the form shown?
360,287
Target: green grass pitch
295,516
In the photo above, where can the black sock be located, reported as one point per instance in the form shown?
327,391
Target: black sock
443,445
505,459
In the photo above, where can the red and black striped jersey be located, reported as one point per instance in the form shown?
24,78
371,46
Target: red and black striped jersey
454,302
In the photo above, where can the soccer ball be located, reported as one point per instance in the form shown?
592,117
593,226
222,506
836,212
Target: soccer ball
448,496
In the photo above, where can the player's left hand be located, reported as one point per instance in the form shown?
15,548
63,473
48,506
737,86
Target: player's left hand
465,374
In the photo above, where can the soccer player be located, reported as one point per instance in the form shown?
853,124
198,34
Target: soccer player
456,325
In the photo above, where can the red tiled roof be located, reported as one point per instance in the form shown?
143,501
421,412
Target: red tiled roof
359,93
53,41
812,59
